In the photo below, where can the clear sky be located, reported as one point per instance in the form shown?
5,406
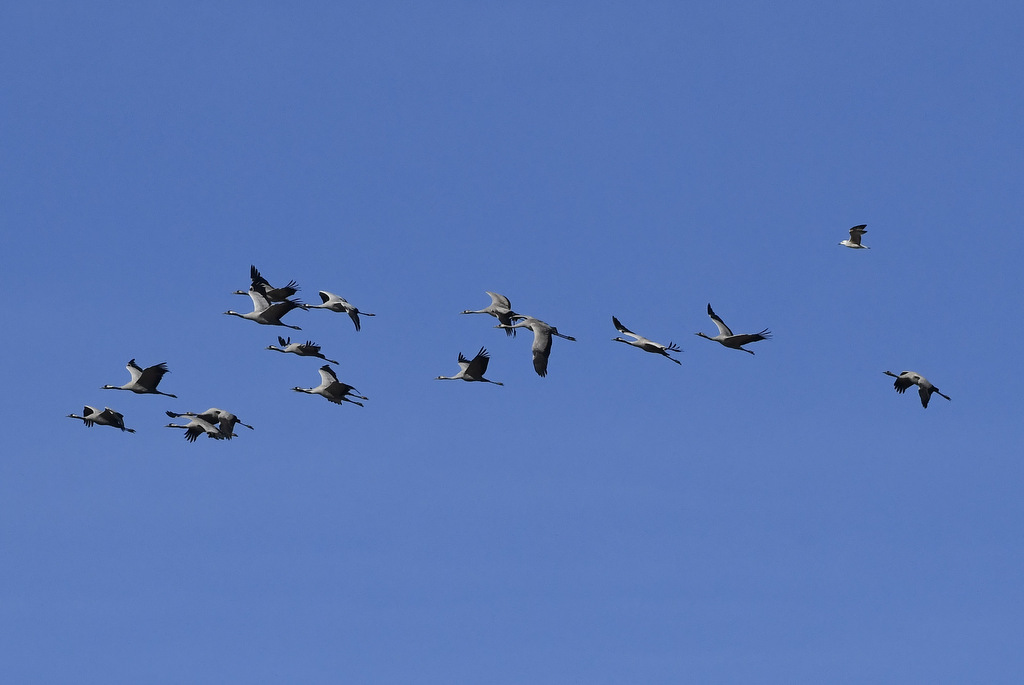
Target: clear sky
772,518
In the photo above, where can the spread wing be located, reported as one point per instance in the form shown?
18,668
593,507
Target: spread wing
327,375
722,328
259,299
902,382
478,367
856,232
499,300
751,337
150,378
541,350
622,329
134,369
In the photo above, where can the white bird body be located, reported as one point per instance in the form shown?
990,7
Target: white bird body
306,349
729,339
337,303
263,312
855,234
107,417
331,388
224,420
905,379
197,426
472,369
143,381
542,333
501,309
643,343
269,292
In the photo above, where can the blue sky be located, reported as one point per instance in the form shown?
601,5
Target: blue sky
776,518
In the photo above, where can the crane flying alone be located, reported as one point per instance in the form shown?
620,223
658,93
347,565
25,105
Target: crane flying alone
730,340
643,343
331,388
908,378
143,381
107,417
337,303
306,349
471,370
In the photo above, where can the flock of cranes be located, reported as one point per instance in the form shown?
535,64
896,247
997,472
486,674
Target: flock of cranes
271,304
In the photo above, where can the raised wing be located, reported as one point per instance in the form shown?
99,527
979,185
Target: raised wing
856,232
722,328
622,329
259,299
499,300
478,367
256,278
151,376
327,375
134,369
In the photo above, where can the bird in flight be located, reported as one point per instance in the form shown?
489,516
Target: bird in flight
905,379
727,338
143,380
107,417
472,369
855,233
645,344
